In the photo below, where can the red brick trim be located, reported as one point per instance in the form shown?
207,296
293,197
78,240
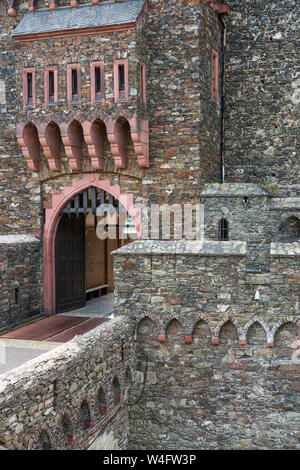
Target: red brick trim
12,12
52,5
162,338
188,339
215,76
93,65
221,8
116,80
215,340
71,67
50,68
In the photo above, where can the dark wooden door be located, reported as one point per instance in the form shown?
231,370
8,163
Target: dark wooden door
70,263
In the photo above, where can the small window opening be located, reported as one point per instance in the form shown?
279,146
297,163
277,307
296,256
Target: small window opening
98,87
16,295
29,89
51,86
122,81
223,230
75,85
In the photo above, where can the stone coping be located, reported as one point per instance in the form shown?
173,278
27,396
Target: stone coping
234,190
183,247
285,249
18,238
285,203
58,357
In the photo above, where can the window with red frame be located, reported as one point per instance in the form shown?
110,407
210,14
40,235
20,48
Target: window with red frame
29,98
143,81
97,82
215,76
50,79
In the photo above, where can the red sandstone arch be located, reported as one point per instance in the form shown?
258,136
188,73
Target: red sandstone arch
117,133
95,136
28,139
72,137
50,139
52,221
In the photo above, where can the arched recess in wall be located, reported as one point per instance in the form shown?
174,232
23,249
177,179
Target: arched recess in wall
85,420
52,219
116,390
101,402
201,333
256,335
68,428
289,230
228,333
44,440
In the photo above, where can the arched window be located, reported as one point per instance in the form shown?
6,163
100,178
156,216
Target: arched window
289,230
223,230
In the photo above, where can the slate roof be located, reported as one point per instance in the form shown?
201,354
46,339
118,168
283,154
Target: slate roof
82,17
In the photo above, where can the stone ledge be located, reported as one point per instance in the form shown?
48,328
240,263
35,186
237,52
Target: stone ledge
258,279
234,190
18,239
285,249
285,203
183,247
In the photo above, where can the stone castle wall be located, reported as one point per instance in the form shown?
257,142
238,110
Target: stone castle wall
20,279
262,97
67,398
216,359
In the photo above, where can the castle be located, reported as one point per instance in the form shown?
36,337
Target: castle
152,102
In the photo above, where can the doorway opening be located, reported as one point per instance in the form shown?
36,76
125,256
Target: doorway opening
83,246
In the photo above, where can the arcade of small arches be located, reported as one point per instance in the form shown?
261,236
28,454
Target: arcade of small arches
116,131
161,332
70,427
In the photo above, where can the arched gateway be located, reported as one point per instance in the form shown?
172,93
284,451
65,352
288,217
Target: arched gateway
71,244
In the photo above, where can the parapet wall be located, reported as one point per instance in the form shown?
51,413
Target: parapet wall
222,368
73,397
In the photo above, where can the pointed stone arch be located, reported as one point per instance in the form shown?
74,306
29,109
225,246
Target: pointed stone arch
52,221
